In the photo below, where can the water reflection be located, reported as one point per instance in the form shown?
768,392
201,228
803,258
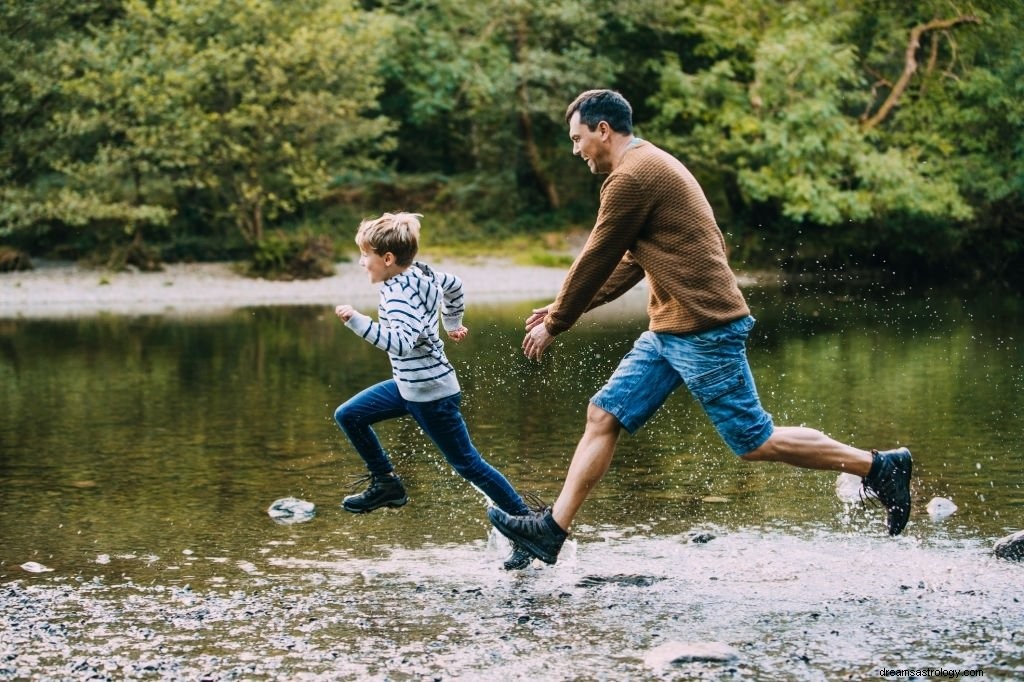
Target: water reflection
148,449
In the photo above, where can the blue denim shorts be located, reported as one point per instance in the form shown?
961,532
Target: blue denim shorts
713,365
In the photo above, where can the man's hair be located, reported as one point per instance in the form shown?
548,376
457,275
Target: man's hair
398,233
602,105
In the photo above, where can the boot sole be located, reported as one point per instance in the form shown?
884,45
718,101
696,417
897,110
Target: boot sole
394,504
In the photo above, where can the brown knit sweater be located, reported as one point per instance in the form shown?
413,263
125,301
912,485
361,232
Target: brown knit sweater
654,220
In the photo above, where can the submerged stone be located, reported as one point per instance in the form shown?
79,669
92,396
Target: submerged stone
619,579
700,537
291,510
940,508
690,652
1011,547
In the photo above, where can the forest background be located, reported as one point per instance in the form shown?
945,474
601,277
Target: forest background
878,135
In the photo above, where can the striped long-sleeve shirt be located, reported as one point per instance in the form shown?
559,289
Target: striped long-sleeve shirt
410,305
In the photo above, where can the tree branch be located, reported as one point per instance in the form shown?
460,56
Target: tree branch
910,65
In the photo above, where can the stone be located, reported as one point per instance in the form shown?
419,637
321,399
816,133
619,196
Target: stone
672,653
940,508
1011,547
289,510
848,487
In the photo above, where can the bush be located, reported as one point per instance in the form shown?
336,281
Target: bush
288,256
13,260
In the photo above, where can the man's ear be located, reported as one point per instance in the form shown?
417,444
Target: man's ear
604,129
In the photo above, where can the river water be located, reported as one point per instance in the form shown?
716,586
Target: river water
139,456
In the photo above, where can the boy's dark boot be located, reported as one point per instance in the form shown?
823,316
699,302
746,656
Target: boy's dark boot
889,481
537,532
384,491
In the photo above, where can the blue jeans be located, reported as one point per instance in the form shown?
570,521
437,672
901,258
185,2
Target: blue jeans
441,420
712,364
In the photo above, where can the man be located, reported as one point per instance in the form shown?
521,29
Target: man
655,222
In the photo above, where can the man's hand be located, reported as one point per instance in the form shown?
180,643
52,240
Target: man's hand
537,337
457,335
537,317
345,312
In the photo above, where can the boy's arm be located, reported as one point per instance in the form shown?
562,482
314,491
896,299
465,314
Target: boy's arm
398,338
453,300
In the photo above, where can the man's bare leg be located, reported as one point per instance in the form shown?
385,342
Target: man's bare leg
589,464
810,449
886,474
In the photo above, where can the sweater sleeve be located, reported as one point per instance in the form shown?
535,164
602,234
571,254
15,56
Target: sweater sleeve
619,221
453,300
626,275
399,337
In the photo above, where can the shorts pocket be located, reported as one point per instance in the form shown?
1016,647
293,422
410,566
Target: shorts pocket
719,382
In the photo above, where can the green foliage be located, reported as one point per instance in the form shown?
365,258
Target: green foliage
776,113
202,126
245,109
287,256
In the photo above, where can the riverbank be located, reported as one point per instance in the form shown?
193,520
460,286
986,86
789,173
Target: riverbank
60,290
68,290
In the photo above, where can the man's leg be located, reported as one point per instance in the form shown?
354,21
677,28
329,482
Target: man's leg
634,392
810,449
589,464
543,533
715,368
886,474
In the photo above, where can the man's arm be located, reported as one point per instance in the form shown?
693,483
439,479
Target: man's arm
620,220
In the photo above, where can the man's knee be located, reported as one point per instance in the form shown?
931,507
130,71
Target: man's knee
600,420
765,452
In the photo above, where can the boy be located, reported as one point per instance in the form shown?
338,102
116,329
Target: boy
424,384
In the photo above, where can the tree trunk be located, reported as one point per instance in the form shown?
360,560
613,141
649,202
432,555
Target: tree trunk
910,65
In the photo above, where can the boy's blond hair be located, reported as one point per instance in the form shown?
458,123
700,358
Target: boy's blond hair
398,233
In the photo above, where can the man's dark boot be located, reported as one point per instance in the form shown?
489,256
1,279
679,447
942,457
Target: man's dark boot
537,532
889,481
384,491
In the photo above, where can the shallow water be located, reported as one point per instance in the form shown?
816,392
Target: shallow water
140,454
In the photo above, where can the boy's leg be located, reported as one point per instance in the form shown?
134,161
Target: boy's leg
374,404
442,421
356,415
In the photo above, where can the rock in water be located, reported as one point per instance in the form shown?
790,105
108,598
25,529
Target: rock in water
848,487
1011,547
940,507
690,652
291,510
35,567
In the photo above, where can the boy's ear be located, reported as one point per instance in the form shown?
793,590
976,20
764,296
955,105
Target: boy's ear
388,258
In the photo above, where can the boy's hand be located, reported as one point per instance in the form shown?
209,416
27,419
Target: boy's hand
457,335
345,312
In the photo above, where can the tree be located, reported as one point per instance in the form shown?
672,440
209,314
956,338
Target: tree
482,87
245,110
31,36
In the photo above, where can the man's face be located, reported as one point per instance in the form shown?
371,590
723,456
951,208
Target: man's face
589,144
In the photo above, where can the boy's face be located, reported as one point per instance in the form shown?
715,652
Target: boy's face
377,267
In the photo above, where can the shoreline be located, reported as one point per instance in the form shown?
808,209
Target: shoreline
63,290
68,290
